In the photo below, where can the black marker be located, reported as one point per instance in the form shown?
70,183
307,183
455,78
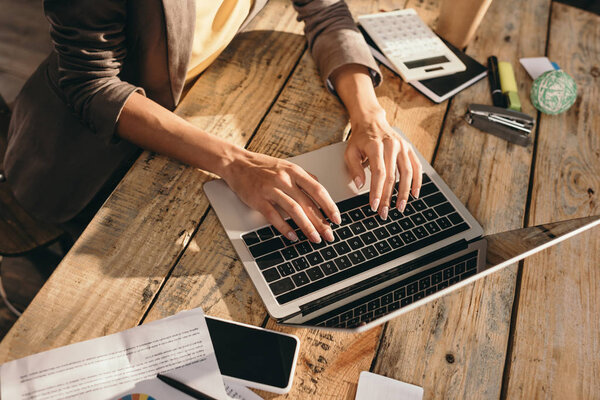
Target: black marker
184,388
497,97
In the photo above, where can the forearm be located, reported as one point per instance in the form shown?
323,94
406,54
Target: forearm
355,88
153,127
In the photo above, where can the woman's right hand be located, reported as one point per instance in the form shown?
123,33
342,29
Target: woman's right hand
263,182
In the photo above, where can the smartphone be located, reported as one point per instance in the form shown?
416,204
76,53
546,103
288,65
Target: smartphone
254,357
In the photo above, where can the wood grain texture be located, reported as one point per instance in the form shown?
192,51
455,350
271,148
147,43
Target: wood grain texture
556,341
455,347
107,281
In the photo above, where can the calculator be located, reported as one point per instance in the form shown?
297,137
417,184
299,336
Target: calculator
409,44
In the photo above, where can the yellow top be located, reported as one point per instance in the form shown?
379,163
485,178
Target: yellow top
217,22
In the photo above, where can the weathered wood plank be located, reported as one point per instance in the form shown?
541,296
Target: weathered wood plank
455,347
556,342
111,275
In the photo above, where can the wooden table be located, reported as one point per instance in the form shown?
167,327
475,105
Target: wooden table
530,331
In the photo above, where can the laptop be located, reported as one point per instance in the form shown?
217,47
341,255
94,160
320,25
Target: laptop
375,269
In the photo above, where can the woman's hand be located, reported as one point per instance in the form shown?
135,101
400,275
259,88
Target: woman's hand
264,182
374,141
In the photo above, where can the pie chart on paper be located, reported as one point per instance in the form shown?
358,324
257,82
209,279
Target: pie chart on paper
137,396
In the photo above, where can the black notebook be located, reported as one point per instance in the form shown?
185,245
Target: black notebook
437,89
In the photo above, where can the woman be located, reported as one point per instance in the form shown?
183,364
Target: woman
118,70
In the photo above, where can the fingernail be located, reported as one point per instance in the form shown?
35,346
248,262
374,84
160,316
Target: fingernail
337,219
375,205
384,213
402,206
291,235
328,235
416,195
358,182
314,237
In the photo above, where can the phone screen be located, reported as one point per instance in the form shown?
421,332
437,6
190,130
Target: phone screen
252,354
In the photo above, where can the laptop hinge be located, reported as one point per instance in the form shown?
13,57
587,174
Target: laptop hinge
324,301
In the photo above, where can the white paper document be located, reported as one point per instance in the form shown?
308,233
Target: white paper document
122,364
535,66
377,387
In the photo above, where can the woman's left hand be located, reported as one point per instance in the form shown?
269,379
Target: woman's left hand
374,141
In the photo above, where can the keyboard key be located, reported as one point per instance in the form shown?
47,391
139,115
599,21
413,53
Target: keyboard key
406,301
408,237
342,248
353,322
250,238
373,304
303,248
265,233
285,269
300,279
448,273
394,214
368,238
443,285
314,258
444,209
412,288
355,243
348,315
300,264
383,247
408,210
406,223
424,283
430,290
418,205
301,236
399,293
367,210
344,233
380,311
467,274
432,227
444,223
420,232
357,228
418,296
360,310
453,280
366,317
460,268
333,321
395,242
314,273
381,233
426,179
281,286
356,215
343,262
471,263
370,223
455,218
320,245
269,260
429,214
434,199
428,189
394,306
289,253
370,252
418,219
266,247
387,299
345,219
393,228
436,278
271,274
356,257
328,253
329,268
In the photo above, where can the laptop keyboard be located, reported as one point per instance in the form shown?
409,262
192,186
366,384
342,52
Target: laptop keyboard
400,294
362,241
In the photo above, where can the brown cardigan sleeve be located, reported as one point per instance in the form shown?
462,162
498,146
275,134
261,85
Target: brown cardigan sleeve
333,38
89,40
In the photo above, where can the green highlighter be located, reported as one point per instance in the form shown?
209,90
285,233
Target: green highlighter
508,83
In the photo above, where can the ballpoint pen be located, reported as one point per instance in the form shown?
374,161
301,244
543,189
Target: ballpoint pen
498,98
184,388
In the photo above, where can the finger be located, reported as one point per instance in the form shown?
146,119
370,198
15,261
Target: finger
320,195
417,173
390,154
311,210
354,163
406,174
296,212
275,219
377,167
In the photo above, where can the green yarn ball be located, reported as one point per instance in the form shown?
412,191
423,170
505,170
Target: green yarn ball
553,92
